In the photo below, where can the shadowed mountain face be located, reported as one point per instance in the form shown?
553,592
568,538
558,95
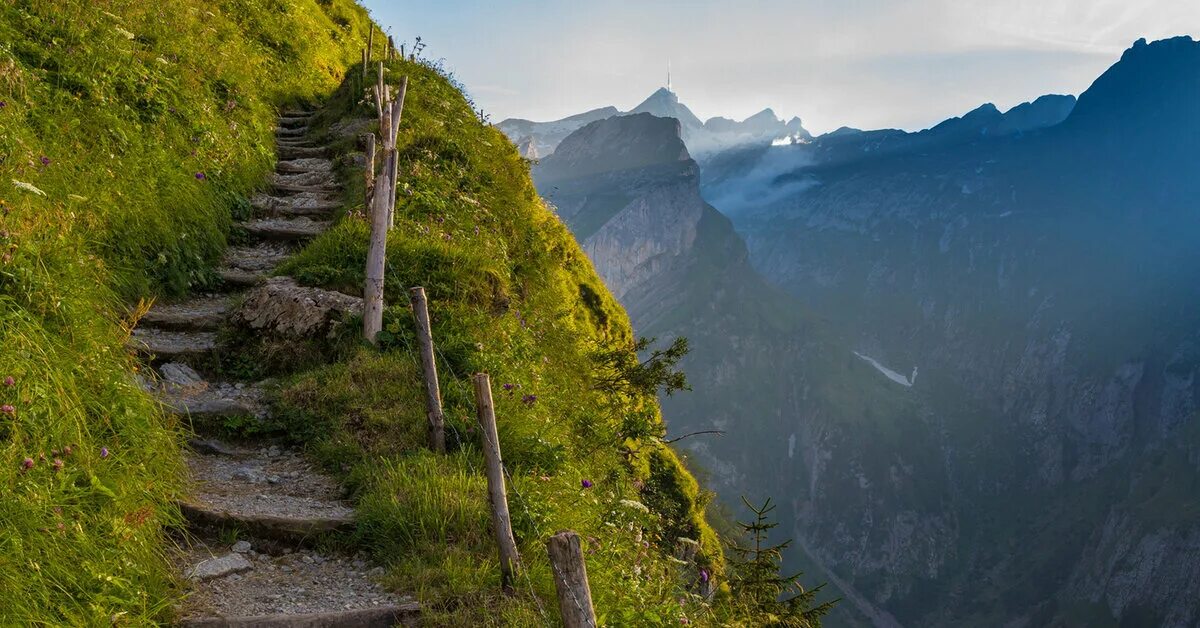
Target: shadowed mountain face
1045,280
978,399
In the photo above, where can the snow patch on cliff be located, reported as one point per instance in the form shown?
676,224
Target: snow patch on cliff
889,373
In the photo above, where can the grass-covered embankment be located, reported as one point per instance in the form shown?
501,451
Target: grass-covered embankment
128,130
511,294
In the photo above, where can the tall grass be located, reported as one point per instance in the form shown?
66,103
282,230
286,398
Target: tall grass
128,132
512,294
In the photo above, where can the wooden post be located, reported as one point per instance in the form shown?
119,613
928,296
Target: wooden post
394,160
370,171
401,52
383,203
364,62
433,393
571,581
370,42
501,521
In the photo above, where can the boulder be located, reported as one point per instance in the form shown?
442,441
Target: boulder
282,307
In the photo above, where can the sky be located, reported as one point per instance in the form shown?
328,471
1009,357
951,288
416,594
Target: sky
863,63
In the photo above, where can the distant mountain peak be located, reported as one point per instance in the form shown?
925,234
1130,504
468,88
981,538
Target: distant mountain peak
1155,83
665,104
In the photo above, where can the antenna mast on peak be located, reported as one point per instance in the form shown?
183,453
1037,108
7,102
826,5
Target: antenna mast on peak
669,76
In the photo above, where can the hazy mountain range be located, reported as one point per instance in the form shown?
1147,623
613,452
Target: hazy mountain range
965,359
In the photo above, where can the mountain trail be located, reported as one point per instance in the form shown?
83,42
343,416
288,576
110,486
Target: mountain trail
258,511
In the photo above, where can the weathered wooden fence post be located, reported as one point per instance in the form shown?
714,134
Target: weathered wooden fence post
433,393
370,42
364,63
497,493
383,202
391,51
369,175
571,581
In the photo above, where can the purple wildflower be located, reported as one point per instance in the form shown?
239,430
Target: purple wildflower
27,464
509,387
586,484
8,409
9,381
703,575
58,464
45,160
3,104
200,176
104,452
529,399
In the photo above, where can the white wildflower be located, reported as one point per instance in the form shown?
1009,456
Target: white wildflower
21,185
635,505
127,34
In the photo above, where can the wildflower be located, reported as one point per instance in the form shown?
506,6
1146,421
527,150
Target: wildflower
104,452
509,387
9,381
21,185
586,484
3,104
200,176
476,229
529,399
67,450
703,575
27,464
544,478
45,160
8,409
58,464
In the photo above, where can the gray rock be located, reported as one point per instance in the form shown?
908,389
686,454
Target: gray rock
241,547
283,307
218,567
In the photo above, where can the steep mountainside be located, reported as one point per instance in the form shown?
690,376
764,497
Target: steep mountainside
776,379
1044,283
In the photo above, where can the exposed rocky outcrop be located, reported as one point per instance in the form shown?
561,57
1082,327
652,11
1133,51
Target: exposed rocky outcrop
281,306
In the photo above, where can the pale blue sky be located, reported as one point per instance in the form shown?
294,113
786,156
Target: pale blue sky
864,63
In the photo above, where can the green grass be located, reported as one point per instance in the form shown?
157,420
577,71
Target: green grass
110,110
511,294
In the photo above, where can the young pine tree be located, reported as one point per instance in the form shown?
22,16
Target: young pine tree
762,595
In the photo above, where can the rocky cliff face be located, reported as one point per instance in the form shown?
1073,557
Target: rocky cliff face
1044,282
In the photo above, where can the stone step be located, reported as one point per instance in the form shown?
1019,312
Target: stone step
285,188
286,229
249,265
305,165
251,583
166,345
297,152
305,178
293,131
291,122
271,491
201,313
297,204
186,393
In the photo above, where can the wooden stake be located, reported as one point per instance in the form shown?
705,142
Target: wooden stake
498,495
370,41
433,393
370,171
364,62
395,162
571,581
376,259
391,51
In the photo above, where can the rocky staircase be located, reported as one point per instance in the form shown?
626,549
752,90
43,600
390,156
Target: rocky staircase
257,509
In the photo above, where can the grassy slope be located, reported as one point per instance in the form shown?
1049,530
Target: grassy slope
511,294
109,110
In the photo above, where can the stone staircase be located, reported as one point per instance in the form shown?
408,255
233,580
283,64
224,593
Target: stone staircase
257,509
